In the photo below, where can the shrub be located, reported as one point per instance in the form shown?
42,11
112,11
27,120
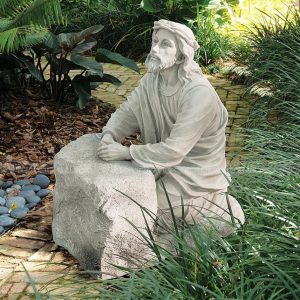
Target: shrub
57,49
273,66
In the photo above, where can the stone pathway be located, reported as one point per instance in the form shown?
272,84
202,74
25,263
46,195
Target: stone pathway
30,242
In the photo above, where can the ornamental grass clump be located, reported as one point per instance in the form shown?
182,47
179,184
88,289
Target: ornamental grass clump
274,63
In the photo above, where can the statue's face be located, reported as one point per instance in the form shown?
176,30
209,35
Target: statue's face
164,51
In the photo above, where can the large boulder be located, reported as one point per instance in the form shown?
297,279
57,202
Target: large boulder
91,219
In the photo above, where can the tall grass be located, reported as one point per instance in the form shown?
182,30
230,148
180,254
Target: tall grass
262,259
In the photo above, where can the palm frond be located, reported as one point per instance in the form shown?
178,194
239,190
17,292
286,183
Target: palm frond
40,12
24,22
21,37
10,8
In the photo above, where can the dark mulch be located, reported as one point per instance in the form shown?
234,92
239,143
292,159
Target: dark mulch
33,129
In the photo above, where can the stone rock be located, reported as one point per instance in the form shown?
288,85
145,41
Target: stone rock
7,184
19,212
1,182
43,193
22,182
33,199
3,210
42,180
2,201
16,186
31,205
6,221
2,193
89,214
17,201
1,229
31,187
26,194
11,190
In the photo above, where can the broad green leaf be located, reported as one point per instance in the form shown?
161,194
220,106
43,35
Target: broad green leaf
69,40
88,64
105,78
83,90
81,48
62,65
150,6
52,41
106,56
34,71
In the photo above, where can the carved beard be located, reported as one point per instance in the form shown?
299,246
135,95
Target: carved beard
156,63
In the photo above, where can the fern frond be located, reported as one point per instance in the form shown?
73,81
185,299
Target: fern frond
3,23
40,12
10,8
8,40
21,37
24,22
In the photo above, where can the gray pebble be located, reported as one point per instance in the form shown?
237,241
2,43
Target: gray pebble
2,193
35,199
3,210
26,194
1,229
7,184
11,189
31,205
6,221
16,186
22,182
1,182
19,212
42,180
19,201
31,187
2,201
43,192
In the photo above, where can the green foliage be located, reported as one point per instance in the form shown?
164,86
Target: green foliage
273,65
65,52
214,44
184,9
23,23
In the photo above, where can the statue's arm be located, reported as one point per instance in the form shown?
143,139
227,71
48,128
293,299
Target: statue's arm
196,113
122,122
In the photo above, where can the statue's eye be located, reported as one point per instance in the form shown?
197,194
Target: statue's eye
166,44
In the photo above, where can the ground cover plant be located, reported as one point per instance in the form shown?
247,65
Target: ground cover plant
262,260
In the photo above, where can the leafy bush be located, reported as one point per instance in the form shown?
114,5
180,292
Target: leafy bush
130,21
214,44
273,66
58,48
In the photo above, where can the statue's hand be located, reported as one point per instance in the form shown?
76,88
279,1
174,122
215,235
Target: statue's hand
114,151
106,139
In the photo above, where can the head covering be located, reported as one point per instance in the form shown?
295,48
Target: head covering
178,29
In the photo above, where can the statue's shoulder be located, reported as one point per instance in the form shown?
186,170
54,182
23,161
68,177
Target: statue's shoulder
196,84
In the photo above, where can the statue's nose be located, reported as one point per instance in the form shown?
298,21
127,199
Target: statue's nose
155,49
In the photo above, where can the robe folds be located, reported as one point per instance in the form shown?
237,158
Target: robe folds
183,134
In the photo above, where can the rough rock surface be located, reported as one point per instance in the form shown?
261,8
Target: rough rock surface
89,215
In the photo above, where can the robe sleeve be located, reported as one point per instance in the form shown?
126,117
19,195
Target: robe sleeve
123,121
196,112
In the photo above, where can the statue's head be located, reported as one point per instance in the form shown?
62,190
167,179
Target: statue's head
173,43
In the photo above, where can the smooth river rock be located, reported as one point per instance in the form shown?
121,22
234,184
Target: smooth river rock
89,214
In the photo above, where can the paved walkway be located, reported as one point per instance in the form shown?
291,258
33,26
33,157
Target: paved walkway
30,242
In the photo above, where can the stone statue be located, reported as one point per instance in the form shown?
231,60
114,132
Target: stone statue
182,124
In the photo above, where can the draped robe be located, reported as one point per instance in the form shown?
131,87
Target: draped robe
183,134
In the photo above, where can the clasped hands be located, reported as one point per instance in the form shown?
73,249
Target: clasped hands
109,149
